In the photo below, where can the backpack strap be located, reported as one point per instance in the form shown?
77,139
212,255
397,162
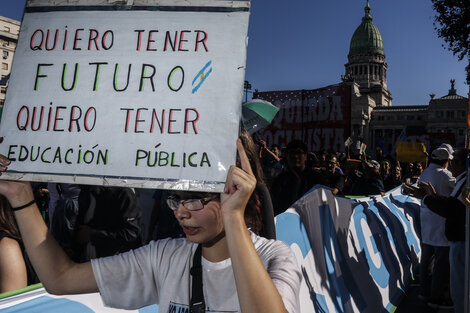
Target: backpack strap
197,304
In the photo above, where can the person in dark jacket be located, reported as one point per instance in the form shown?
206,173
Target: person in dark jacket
295,180
108,222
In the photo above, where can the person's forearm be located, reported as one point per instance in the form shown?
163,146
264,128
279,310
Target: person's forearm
256,290
55,270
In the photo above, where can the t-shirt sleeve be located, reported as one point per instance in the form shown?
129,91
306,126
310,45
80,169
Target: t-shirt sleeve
283,269
127,280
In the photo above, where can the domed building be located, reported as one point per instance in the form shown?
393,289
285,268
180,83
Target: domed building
375,120
359,109
367,70
367,64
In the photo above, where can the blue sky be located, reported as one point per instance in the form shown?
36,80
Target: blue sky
304,44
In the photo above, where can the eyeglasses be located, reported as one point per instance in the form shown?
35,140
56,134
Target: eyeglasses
190,204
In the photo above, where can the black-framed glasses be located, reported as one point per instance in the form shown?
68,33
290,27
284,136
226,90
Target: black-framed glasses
190,204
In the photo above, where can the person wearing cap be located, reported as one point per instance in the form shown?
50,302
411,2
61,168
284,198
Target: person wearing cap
453,209
332,177
371,182
295,180
433,239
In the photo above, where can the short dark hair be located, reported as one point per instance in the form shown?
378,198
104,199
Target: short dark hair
296,144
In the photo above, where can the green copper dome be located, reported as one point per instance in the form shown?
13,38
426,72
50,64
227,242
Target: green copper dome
366,38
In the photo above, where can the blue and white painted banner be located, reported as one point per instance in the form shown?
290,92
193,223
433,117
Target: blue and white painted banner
39,301
357,255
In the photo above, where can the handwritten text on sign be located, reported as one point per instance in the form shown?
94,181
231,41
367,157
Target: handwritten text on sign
139,94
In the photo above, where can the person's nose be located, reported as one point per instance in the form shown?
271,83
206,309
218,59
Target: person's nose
181,212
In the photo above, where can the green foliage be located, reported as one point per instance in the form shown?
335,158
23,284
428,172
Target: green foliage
452,24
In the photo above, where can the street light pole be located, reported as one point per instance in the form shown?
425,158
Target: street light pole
247,86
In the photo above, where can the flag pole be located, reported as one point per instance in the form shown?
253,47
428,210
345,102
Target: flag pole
467,224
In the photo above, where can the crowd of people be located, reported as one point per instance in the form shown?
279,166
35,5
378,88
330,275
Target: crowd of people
96,235
290,174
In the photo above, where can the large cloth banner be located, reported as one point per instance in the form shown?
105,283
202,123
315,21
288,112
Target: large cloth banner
319,117
143,95
39,301
356,255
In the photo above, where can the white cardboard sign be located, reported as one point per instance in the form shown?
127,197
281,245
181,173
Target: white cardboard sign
144,96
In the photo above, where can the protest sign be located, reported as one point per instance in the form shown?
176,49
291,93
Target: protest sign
143,95
319,117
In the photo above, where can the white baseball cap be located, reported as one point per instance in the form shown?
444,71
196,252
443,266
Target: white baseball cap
447,147
441,154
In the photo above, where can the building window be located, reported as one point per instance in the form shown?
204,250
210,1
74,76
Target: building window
5,55
439,114
419,117
461,131
410,117
450,114
5,66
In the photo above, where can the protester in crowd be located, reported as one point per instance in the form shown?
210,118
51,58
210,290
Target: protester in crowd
332,177
452,208
385,169
379,155
233,258
108,222
394,178
371,182
15,269
417,171
270,160
260,198
321,158
408,172
63,214
295,180
434,243
352,174
165,225
56,191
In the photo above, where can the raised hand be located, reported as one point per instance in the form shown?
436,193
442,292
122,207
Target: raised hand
17,193
239,185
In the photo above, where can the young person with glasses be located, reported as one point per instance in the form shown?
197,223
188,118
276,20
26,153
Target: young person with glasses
241,272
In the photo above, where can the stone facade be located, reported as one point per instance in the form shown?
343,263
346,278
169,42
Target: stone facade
9,30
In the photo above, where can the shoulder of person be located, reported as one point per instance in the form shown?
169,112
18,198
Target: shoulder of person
270,247
174,246
9,246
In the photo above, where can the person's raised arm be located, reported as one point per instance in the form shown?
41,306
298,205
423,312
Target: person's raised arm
55,270
256,290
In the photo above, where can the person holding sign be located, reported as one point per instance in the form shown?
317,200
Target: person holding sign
240,271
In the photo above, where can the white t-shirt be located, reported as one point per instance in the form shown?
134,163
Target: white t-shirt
158,273
432,224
